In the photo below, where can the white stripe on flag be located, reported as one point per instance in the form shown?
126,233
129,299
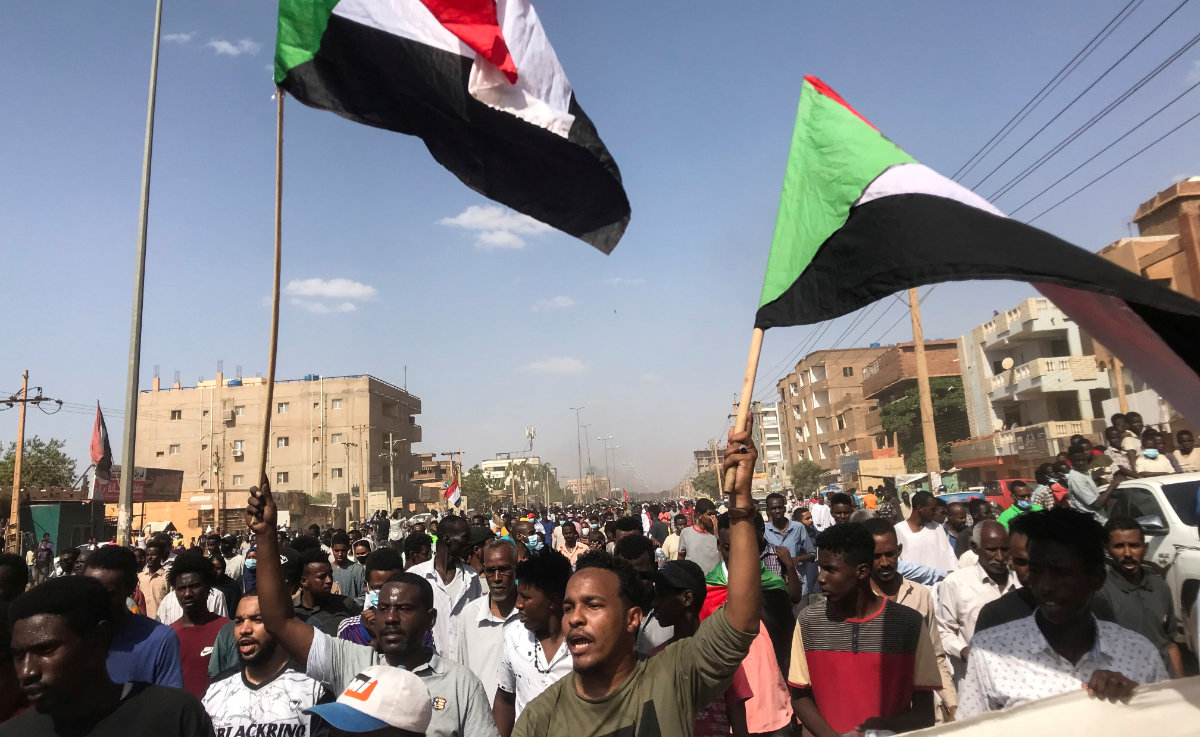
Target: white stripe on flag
542,93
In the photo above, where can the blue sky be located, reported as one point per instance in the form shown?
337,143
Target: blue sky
511,330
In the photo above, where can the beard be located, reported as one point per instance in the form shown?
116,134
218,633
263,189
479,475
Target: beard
264,653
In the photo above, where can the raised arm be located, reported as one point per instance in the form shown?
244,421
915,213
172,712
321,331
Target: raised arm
744,606
274,599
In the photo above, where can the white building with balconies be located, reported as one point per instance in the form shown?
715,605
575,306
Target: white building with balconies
1030,381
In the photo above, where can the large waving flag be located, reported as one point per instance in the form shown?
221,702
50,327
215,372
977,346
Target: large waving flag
860,219
478,81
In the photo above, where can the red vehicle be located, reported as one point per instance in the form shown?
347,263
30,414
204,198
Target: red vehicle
1000,492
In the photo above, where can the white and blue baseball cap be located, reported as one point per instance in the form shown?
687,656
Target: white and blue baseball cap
379,697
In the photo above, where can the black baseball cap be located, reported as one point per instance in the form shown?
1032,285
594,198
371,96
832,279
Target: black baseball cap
480,535
682,575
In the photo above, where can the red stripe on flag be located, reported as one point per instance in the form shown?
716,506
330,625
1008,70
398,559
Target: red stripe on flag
475,23
826,90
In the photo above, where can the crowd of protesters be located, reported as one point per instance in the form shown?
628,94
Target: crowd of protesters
845,613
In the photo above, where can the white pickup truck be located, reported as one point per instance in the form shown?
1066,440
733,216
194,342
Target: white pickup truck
1165,506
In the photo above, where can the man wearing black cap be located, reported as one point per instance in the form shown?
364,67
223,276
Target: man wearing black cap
479,538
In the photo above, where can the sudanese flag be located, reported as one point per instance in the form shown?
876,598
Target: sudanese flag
860,219
478,81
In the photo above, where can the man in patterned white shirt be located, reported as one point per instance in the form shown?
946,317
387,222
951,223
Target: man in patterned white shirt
1061,647
265,694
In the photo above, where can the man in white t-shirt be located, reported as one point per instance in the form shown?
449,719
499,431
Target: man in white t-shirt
455,584
1186,455
924,541
1151,461
534,653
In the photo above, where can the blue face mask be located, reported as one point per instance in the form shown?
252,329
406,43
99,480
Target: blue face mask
534,544
251,563
372,600
1023,504
1150,452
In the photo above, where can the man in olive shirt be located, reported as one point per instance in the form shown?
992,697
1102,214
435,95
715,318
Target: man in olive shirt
611,691
1138,598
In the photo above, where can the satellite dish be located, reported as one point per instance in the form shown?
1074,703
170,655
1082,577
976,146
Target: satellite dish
1006,364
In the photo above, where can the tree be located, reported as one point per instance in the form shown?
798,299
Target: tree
475,488
902,417
806,478
43,465
706,484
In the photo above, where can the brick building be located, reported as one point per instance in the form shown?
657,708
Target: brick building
823,413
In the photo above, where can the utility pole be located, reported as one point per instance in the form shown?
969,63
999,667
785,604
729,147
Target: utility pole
125,506
13,544
14,519
928,434
578,450
391,459
717,468
607,478
361,501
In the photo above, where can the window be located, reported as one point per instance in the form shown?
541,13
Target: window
281,442
316,405
793,388
1136,502
158,454
841,421
204,446
176,414
281,477
174,450
335,404
335,473
204,413
239,410
316,474
847,371
281,408
204,483
335,437
239,445
239,479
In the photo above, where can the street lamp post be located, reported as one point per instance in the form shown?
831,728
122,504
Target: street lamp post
362,502
578,450
390,455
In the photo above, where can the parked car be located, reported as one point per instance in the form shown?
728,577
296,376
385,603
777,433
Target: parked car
997,492
1165,507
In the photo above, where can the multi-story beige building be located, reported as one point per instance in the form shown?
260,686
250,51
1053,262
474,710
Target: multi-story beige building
329,437
822,411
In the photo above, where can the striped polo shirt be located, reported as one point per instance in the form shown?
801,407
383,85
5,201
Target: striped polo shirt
862,668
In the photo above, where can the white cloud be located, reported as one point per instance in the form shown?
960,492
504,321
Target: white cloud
233,48
556,303
562,365
621,281
328,296
496,227
320,308
329,289
178,38
1194,74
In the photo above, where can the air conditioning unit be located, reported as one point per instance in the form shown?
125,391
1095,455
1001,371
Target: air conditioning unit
227,415
238,453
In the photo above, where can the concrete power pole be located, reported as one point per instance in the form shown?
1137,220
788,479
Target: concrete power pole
928,434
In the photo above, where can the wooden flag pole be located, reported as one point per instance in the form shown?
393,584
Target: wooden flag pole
266,430
743,411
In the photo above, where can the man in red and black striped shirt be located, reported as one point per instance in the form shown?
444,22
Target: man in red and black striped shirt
859,661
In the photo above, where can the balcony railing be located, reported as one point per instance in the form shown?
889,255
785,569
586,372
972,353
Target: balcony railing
1080,368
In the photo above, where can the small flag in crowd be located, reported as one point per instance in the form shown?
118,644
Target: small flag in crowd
101,451
478,81
452,492
860,219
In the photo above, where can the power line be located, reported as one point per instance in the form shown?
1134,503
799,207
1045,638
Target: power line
1081,94
1105,149
1094,119
1046,89
1141,151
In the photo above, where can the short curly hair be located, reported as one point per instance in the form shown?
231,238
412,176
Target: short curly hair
192,561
